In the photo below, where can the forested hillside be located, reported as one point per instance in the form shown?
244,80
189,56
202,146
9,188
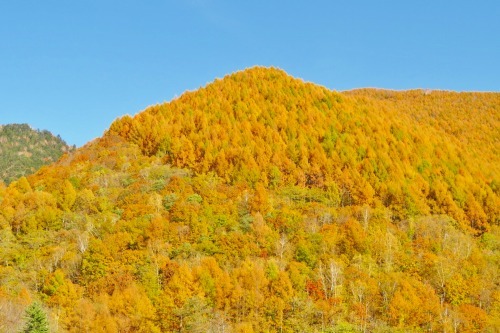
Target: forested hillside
23,150
261,203
415,152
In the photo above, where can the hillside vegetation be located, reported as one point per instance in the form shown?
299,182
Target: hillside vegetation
24,150
413,152
261,203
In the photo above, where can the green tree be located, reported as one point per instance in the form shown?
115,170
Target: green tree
36,319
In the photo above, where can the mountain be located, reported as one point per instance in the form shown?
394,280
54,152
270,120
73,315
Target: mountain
262,203
416,152
24,150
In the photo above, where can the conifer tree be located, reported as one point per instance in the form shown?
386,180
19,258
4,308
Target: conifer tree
36,319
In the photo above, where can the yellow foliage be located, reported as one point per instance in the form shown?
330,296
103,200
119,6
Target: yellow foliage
261,203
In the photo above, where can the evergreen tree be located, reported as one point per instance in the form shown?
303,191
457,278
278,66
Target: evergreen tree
36,319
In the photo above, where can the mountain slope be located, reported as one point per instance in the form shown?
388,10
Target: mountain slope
261,203
24,150
415,152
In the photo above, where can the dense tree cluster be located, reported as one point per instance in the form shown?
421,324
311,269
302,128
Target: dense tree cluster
290,209
416,152
23,150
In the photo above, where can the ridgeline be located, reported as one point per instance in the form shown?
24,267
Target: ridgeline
23,150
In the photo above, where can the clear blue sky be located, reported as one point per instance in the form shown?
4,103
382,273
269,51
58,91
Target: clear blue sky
72,67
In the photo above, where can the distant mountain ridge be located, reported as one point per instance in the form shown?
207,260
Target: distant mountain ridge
23,150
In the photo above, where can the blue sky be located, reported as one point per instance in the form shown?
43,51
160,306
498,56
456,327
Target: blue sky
72,67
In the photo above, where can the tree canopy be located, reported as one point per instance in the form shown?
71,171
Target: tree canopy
261,203
23,150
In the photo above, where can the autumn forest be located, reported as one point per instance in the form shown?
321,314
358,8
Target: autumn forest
263,203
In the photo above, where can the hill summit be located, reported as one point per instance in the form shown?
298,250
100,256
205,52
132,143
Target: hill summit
261,203
416,152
